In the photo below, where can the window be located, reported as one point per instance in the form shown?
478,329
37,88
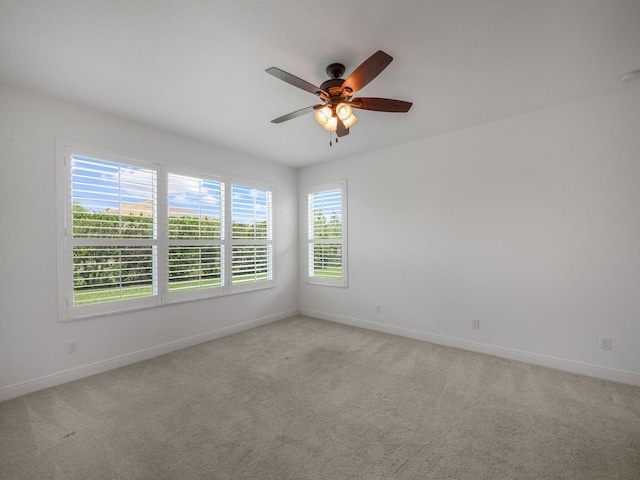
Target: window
251,236
139,234
112,245
327,243
195,213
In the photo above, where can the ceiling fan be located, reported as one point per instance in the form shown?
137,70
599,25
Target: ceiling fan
335,112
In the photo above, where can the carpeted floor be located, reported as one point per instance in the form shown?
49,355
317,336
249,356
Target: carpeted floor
309,399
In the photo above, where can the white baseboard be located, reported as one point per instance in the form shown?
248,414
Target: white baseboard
512,354
76,373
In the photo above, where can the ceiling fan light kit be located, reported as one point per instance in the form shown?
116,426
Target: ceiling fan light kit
336,112
328,116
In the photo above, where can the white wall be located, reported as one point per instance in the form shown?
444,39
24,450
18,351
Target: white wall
32,340
529,224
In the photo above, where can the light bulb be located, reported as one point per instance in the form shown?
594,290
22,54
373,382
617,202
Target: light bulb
343,110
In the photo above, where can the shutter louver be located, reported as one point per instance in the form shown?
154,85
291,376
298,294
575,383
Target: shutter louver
325,210
106,274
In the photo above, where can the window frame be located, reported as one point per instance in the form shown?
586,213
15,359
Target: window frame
163,220
342,282
231,242
65,149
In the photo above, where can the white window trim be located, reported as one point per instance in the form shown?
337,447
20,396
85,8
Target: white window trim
331,282
67,312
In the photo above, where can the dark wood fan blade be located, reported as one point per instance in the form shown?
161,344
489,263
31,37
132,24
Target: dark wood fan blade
341,131
296,114
381,104
295,81
367,71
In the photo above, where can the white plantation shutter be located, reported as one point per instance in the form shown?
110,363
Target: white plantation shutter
196,247
251,236
113,238
137,234
326,235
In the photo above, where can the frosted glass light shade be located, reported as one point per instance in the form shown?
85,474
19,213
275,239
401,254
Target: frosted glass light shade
343,111
323,115
350,120
332,124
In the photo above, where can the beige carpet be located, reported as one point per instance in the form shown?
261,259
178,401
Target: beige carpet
309,399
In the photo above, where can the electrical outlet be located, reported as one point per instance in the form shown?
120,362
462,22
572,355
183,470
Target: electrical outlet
72,346
377,308
605,343
475,324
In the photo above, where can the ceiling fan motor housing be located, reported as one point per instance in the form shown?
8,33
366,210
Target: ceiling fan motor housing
333,86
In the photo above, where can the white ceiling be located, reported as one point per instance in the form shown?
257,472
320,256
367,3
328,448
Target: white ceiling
197,67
